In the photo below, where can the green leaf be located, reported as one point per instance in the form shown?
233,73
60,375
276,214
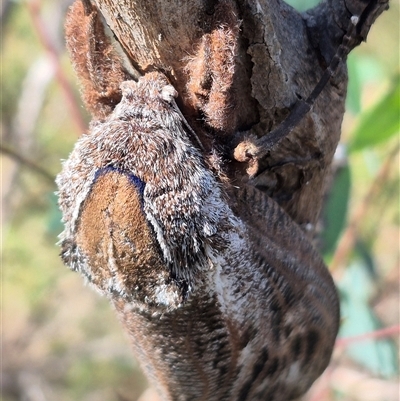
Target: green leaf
54,224
377,355
362,70
353,102
302,5
380,123
335,210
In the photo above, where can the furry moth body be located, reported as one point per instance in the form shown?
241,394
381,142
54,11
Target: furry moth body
222,295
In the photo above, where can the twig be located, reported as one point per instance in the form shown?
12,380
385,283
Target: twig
349,237
26,162
39,26
386,332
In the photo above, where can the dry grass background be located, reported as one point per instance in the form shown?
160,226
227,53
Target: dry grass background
60,340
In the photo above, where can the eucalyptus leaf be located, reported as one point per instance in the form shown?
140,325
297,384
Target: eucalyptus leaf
302,5
380,123
335,210
362,70
354,87
54,224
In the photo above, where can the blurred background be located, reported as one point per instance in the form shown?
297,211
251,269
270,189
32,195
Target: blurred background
61,341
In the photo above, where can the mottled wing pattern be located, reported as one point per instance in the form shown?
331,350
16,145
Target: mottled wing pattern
221,293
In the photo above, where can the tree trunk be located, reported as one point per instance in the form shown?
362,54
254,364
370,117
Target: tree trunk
175,213
261,56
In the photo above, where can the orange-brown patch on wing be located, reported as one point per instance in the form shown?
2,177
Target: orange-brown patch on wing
114,234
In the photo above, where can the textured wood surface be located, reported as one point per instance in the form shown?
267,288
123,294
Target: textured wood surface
211,271
279,55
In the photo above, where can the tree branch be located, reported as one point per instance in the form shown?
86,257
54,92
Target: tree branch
27,163
279,57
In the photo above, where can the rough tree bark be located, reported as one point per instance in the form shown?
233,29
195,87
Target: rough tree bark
222,294
278,56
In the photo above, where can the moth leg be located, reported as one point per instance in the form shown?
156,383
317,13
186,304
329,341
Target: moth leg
96,62
211,71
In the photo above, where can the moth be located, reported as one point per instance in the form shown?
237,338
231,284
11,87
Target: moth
143,153
222,295
220,300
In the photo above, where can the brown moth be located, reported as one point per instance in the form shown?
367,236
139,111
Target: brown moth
221,293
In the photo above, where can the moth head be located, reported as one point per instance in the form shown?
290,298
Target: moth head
153,85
